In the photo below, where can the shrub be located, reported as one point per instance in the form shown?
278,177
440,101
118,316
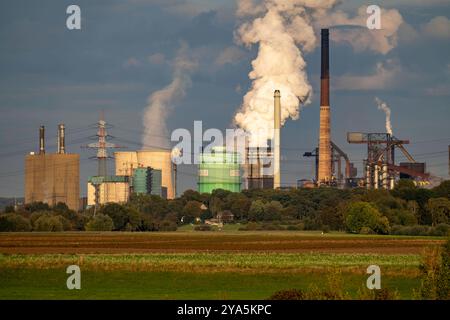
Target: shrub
100,222
121,216
14,222
377,294
435,268
438,231
364,214
167,225
441,230
49,223
203,227
290,294
251,226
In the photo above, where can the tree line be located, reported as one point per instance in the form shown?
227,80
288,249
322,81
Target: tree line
405,210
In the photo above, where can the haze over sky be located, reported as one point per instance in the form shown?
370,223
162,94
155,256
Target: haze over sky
125,51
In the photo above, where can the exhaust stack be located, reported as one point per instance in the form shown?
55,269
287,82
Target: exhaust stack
324,174
61,139
42,140
276,142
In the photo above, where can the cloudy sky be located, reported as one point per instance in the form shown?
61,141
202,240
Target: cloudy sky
127,50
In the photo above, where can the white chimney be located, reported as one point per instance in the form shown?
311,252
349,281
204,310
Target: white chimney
276,140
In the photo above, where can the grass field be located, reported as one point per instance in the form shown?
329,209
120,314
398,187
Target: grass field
201,265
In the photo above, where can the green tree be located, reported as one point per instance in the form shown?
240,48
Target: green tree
442,190
192,210
37,206
122,216
48,222
362,216
439,209
14,222
101,222
272,211
239,205
256,212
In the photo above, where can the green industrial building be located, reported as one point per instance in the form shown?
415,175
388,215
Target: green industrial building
147,181
219,169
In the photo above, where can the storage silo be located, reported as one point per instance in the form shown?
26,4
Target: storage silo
219,169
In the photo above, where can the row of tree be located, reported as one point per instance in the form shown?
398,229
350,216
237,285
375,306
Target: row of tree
354,210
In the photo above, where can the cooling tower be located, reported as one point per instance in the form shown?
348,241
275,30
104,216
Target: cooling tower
276,140
324,174
126,161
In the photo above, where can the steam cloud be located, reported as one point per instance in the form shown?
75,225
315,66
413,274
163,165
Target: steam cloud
280,28
162,102
383,106
284,30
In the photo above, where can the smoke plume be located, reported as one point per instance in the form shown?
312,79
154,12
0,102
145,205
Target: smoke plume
282,30
383,106
162,102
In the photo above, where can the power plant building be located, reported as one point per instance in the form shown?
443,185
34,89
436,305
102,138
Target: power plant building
219,169
107,189
53,178
127,161
148,181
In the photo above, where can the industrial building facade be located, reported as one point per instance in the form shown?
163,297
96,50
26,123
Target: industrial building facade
53,178
127,161
219,169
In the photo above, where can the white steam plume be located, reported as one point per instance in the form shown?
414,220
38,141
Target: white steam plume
280,28
161,102
383,106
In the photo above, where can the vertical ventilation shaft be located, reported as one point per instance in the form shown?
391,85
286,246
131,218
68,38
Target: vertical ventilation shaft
276,142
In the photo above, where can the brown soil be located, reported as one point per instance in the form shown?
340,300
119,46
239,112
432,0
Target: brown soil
36,243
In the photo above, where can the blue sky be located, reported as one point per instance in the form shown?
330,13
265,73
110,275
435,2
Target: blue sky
123,53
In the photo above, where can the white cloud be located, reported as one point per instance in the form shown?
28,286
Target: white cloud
231,55
354,30
383,77
438,27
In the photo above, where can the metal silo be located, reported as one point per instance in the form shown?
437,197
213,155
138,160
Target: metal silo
219,169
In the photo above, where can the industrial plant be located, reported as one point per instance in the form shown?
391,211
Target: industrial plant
53,178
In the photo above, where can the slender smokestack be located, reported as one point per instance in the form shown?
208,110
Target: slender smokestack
276,142
324,176
42,140
325,70
61,139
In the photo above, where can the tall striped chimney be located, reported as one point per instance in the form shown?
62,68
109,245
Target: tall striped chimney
276,138
324,175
